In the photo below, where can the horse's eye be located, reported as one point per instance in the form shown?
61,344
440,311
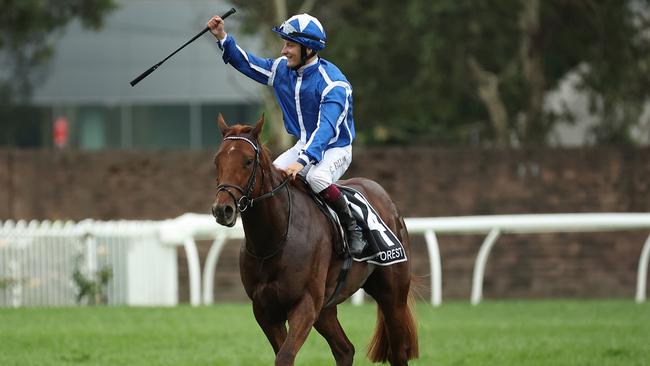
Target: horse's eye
248,162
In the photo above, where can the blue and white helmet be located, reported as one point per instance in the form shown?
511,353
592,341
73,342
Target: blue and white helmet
303,29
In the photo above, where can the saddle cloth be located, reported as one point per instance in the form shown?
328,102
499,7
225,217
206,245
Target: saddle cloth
383,247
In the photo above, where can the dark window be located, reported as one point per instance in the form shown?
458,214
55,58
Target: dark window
25,126
164,126
97,127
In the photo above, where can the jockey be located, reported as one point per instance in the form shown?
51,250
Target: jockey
316,102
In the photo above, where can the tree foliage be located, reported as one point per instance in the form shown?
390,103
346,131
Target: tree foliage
28,29
478,71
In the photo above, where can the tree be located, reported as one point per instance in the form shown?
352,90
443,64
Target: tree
28,29
450,71
616,70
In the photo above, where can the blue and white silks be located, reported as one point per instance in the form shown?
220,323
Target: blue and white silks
316,100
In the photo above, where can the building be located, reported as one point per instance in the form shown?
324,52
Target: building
87,86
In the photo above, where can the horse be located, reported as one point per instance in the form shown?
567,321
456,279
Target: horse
288,262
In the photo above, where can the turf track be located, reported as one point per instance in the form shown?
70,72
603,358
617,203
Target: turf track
604,332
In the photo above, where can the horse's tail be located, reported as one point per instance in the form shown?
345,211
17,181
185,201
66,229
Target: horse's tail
379,349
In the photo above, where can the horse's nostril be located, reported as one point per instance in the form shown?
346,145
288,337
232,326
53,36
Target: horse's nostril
228,212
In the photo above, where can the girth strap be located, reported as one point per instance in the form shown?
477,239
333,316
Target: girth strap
343,274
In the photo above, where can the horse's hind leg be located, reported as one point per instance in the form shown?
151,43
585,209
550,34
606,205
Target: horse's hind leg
397,316
395,338
329,327
274,329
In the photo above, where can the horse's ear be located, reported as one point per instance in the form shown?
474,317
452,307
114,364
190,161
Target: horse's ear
258,127
222,125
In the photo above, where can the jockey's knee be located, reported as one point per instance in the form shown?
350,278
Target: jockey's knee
318,180
331,193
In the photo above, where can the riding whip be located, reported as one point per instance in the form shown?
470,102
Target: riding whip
154,67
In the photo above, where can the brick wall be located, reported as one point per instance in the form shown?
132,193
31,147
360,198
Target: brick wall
423,182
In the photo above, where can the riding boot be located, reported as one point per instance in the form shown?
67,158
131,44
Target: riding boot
353,232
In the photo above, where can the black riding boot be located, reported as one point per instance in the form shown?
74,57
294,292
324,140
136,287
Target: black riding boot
353,232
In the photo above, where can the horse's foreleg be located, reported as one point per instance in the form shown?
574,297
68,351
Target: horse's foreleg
301,318
329,327
274,329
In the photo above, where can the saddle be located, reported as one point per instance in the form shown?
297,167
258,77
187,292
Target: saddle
384,248
340,244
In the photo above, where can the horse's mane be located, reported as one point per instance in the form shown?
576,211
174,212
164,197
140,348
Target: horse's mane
265,154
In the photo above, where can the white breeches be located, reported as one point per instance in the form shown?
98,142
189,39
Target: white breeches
335,162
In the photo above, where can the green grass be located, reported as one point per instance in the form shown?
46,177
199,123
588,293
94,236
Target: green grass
615,332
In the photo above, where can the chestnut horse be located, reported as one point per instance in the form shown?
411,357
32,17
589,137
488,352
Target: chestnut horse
288,262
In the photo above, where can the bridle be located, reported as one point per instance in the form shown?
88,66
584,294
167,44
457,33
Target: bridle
245,201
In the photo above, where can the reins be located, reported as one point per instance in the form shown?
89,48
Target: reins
245,201
286,232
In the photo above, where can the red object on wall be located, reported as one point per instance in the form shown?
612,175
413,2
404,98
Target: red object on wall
60,132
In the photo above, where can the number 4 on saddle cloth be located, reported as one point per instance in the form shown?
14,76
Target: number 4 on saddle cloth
383,246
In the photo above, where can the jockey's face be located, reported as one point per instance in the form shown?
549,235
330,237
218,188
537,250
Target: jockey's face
291,50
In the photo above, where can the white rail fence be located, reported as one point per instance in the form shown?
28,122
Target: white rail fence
496,225
37,258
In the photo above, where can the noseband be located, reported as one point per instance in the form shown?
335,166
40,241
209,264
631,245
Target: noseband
245,201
